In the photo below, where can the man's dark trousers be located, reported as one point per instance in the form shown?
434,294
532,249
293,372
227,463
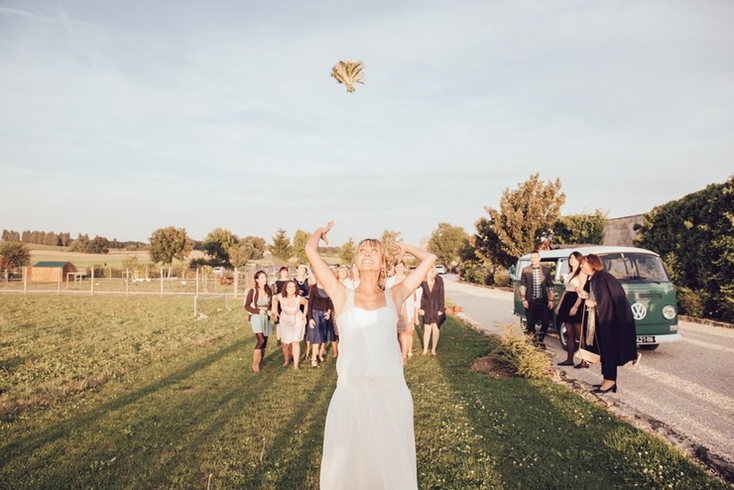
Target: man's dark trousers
537,310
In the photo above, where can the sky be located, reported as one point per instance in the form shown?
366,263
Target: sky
118,118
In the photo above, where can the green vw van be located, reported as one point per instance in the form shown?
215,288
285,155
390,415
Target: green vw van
643,277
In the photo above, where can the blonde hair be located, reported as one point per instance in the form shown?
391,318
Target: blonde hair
374,242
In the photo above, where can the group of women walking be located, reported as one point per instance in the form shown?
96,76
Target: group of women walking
302,311
598,318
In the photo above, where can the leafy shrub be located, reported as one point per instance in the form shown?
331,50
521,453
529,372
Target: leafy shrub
482,276
469,272
501,278
518,354
726,305
690,302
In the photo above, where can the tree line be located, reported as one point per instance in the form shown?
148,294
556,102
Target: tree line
81,243
694,235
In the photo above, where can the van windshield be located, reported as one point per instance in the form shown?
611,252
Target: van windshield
641,267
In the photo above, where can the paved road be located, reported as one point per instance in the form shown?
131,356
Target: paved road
688,385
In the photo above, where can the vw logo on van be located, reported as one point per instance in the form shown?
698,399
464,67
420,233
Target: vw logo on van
638,311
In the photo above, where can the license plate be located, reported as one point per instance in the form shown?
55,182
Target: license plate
645,339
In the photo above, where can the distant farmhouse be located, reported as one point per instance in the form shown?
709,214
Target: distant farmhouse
620,232
50,271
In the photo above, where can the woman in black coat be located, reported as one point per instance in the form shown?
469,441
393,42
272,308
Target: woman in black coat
432,309
614,327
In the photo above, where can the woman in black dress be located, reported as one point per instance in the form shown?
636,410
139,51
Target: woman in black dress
571,307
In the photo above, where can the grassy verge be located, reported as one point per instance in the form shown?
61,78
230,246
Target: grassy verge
131,392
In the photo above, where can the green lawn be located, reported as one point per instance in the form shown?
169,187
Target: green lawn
104,392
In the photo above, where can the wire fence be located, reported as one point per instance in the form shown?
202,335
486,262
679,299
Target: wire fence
127,282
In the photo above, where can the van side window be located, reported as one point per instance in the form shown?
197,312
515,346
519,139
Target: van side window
551,267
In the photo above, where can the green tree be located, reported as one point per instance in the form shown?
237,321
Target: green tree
580,228
299,245
389,239
254,247
447,241
12,255
98,245
238,255
281,247
10,236
525,217
346,252
169,244
216,245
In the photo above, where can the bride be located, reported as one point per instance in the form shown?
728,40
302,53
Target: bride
368,438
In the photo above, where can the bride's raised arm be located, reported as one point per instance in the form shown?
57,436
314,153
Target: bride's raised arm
416,276
335,289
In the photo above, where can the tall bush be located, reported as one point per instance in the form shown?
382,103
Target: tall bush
694,235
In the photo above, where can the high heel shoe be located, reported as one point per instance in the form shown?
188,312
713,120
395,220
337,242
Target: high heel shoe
582,364
565,363
612,388
314,363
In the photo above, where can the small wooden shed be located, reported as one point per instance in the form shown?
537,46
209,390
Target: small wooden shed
50,271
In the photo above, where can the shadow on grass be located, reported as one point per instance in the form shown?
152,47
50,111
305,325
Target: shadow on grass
209,419
82,420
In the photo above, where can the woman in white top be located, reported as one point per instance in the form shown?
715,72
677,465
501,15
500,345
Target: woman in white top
290,319
369,440
570,308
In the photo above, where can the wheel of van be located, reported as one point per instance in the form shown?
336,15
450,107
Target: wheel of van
648,346
562,335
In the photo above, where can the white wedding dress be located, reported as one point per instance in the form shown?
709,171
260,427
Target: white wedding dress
369,441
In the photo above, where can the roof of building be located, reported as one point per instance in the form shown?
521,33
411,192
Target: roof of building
50,264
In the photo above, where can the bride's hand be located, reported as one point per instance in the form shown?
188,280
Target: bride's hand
399,248
326,230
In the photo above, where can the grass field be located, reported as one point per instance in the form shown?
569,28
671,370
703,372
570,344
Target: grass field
101,392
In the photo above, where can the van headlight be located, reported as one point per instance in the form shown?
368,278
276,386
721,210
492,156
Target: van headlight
669,312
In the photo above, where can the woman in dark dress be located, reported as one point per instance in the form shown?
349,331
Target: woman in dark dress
613,326
320,327
571,307
432,309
